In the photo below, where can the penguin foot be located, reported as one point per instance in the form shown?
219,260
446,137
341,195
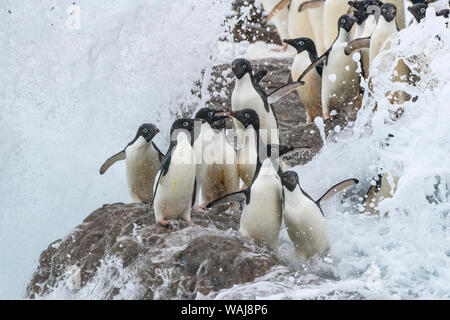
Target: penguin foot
243,187
165,223
326,116
200,208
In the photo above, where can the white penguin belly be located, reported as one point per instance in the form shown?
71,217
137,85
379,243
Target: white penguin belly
247,156
261,218
221,177
245,96
174,194
280,20
310,93
379,36
340,81
142,164
316,21
332,11
306,226
298,22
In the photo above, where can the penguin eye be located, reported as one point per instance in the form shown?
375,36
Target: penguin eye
145,130
185,124
244,67
210,114
247,115
343,21
302,43
422,10
384,10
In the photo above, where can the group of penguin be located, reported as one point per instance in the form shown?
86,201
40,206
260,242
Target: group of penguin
202,166
331,59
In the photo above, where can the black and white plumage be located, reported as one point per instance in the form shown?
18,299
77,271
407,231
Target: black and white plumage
143,159
262,199
174,189
303,216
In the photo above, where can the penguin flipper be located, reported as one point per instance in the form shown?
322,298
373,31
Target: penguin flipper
194,192
285,151
164,168
337,188
282,91
281,5
161,155
357,44
232,197
316,64
111,160
260,75
311,4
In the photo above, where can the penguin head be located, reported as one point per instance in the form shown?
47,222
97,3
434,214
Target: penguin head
346,22
147,131
186,125
245,116
289,179
444,13
210,115
360,15
241,67
301,44
419,1
418,11
388,11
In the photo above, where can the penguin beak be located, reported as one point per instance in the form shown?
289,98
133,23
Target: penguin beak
228,114
290,42
157,130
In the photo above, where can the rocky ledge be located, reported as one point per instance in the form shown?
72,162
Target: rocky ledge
118,249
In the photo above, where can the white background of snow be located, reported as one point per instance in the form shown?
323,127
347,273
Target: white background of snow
71,98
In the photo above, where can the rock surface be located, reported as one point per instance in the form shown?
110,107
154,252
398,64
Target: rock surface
119,252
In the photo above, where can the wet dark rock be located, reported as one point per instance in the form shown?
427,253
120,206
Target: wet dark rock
163,263
254,27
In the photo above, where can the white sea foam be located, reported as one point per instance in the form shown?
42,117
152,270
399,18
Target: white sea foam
71,97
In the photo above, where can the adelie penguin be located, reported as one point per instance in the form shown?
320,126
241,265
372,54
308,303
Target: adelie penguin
262,200
340,80
217,165
174,189
385,28
304,219
248,93
418,11
143,160
310,92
